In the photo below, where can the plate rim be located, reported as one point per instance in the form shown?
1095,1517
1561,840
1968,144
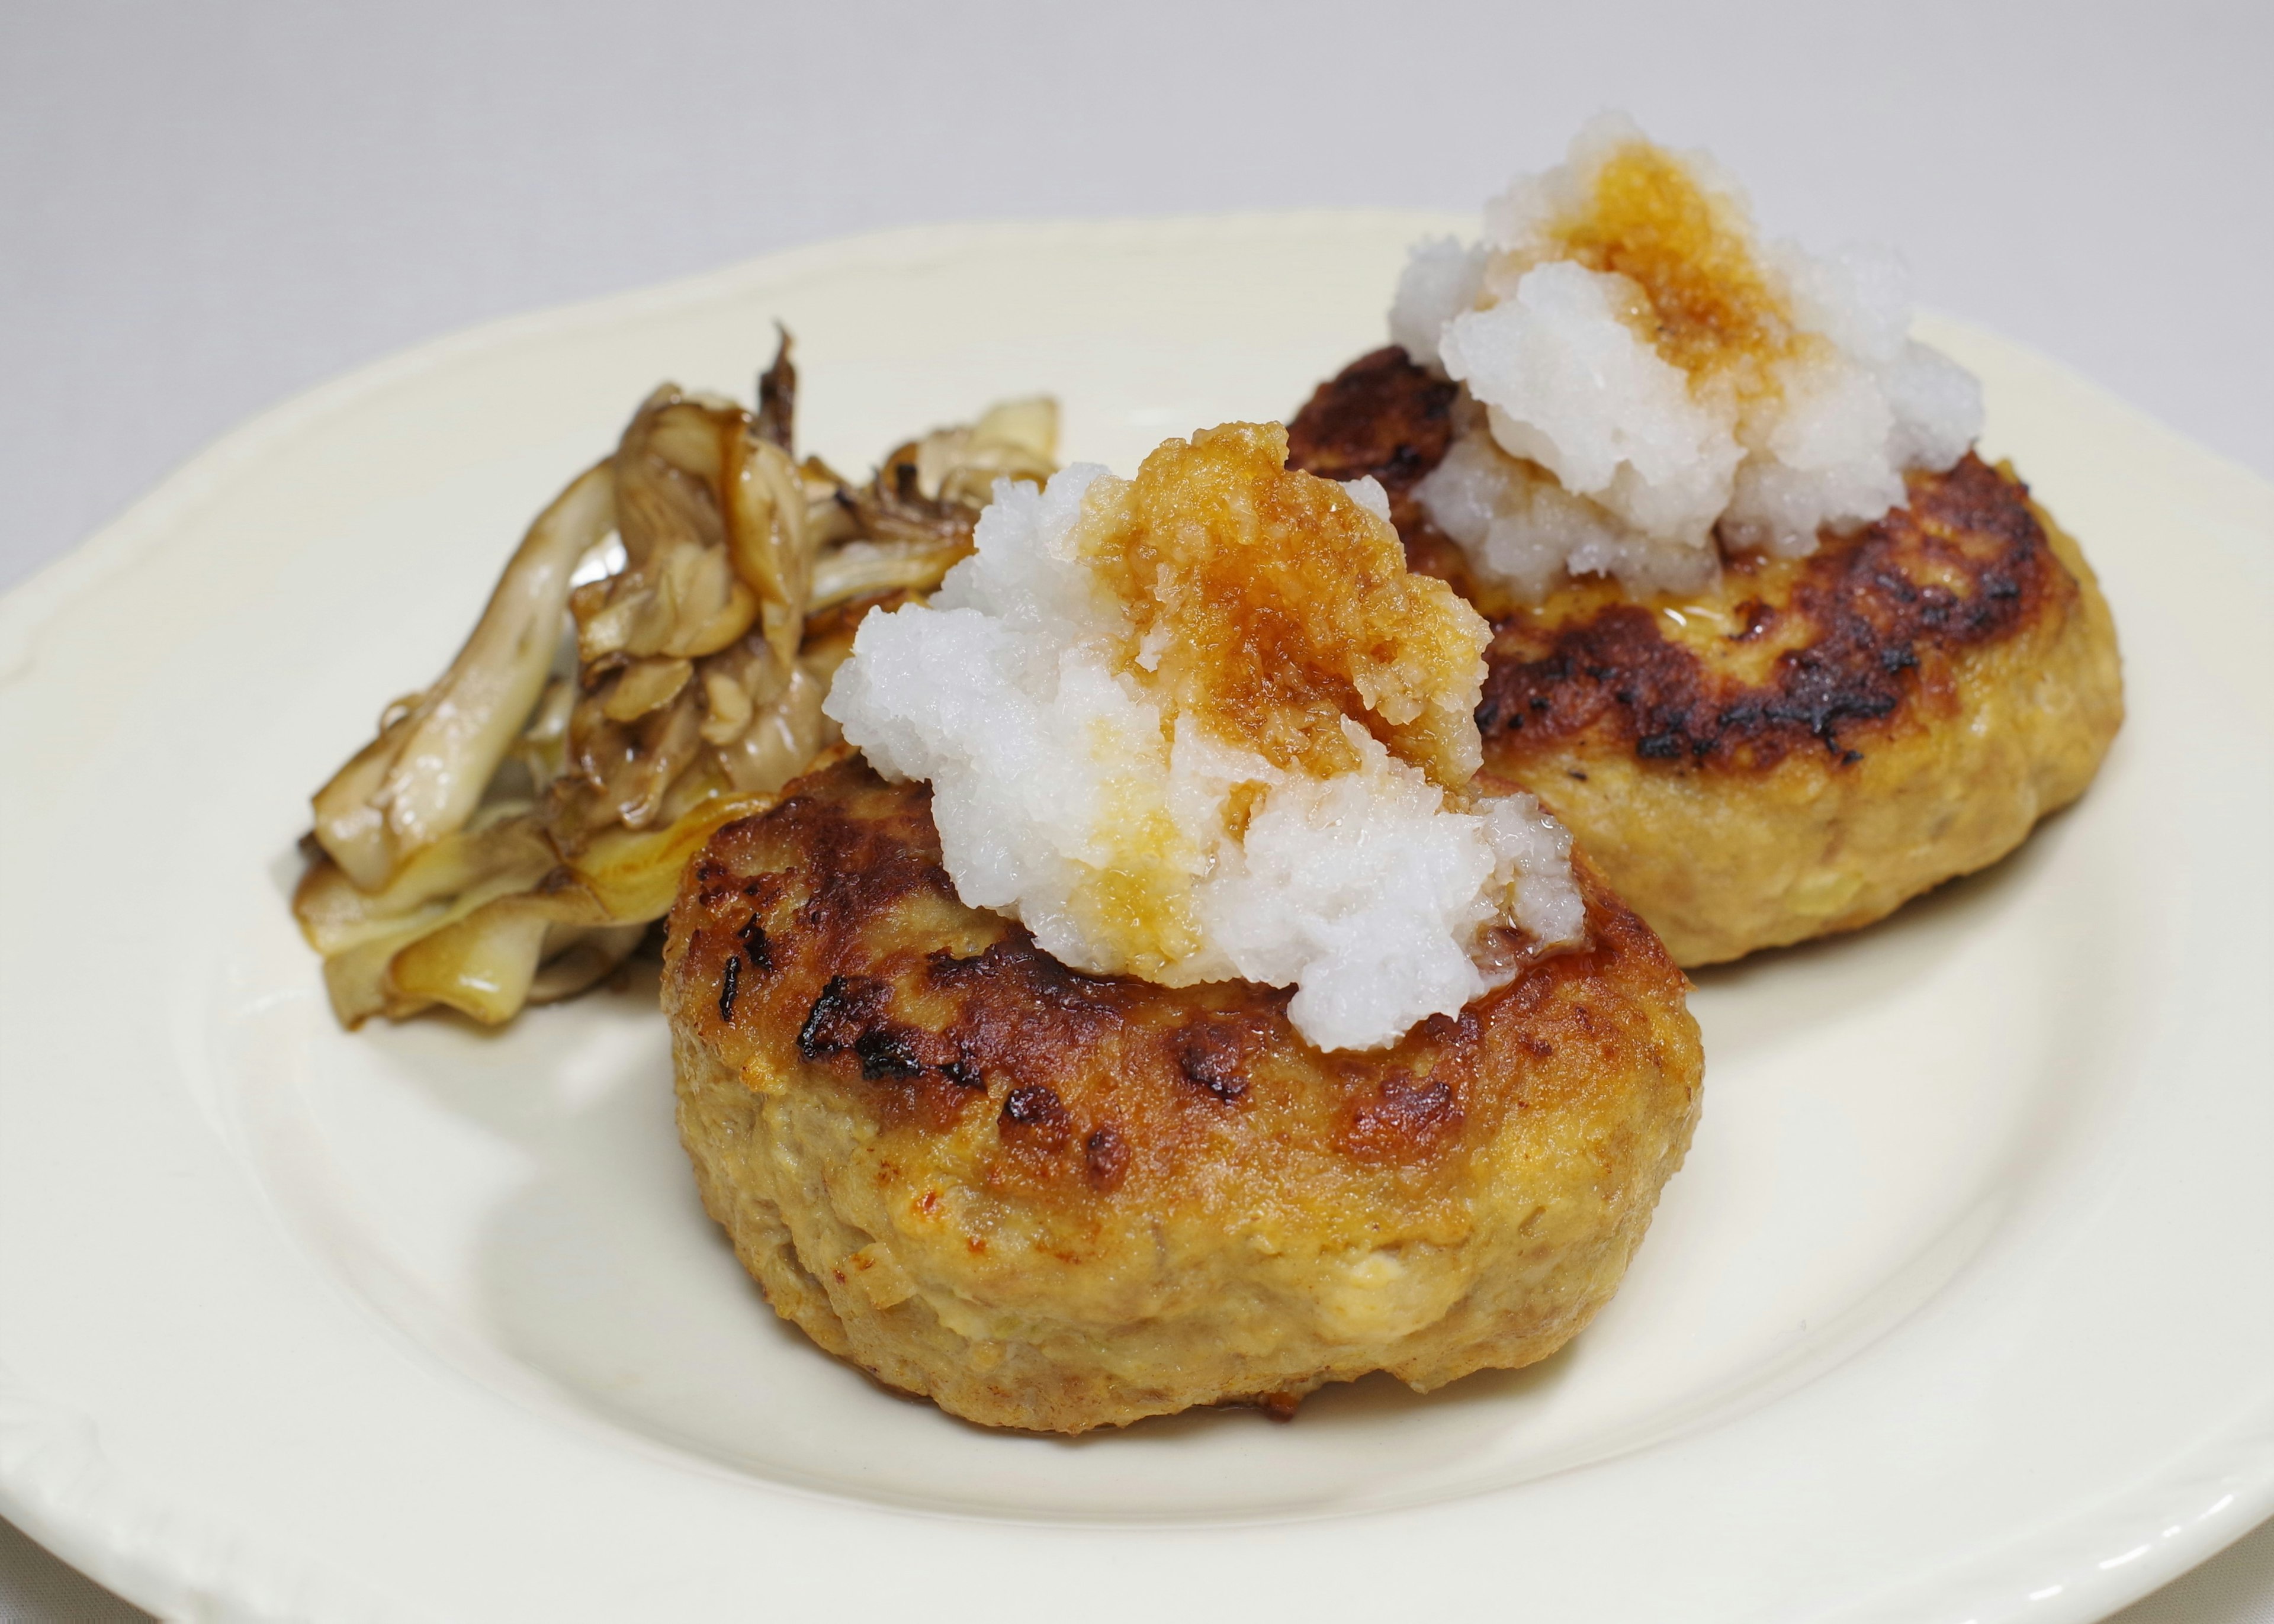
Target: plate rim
56,1483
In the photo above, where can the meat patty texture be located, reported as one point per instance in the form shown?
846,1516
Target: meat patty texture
1058,1201
1804,747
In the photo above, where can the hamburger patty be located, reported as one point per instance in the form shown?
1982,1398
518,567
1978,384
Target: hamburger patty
1805,745
1055,1201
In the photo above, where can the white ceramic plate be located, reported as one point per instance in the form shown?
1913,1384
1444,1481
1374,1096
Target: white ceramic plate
1958,1310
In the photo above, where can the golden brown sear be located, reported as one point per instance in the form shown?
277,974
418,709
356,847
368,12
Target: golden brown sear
1058,1201
1805,745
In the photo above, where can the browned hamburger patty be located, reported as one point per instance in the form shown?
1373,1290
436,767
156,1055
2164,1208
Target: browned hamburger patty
1055,1201
1810,743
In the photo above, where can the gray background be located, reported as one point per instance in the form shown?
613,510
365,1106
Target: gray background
205,209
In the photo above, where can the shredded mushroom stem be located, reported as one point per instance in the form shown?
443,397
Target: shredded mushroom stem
511,833
859,568
912,523
423,775
336,915
767,533
713,524
1017,440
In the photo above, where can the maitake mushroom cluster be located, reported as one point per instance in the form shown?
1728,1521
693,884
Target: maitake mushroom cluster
650,667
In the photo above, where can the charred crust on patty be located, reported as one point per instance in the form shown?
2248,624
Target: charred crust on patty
840,1016
1405,1119
850,1023
863,989
919,1116
1866,629
711,880
890,1051
755,948
1106,1154
1382,416
1034,1114
1018,957
1212,1054
1870,623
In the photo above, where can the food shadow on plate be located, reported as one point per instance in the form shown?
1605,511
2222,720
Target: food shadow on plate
1766,996
527,1079
603,1277
1379,1398
1375,1397
599,1272
285,868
